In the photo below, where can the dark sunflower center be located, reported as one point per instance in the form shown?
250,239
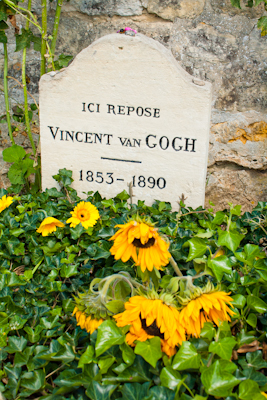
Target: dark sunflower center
82,215
152,329
149,243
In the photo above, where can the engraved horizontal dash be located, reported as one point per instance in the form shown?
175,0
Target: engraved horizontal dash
118,179
118,159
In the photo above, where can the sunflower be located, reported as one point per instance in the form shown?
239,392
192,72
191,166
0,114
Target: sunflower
49,225
86,322
85,213
5,202
207,307
142,242
151,317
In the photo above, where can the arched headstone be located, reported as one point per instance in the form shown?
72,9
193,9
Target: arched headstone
125,113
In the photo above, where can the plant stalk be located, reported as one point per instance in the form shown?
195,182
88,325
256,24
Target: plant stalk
6,94
55,29
44,38
175,267
24,83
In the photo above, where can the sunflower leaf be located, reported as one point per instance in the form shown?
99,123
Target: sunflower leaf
187,357
150,350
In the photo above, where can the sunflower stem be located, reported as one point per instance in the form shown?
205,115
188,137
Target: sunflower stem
175,267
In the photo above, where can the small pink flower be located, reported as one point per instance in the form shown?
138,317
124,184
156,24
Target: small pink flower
126,29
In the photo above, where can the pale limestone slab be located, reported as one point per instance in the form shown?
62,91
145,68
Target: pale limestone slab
125,111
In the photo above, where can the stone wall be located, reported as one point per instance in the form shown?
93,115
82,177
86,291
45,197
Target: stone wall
212,41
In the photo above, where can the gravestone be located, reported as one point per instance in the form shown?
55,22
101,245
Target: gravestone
125,115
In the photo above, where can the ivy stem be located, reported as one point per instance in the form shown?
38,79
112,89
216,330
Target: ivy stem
229,222
175,266
44,38
24,83
55,29
6,94
187,388
212,354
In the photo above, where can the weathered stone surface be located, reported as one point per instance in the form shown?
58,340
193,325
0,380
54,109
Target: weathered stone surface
230,183
239,138
108,7
233,62
171,9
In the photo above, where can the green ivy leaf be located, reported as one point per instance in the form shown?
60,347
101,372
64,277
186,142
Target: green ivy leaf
248,389
150,350
87,357
170,378
134,391
198,248
219,218
223,347
160,393
95,391
16,344
68,270
186,358
252,251
108,335
255,360
208,331
105,363
219,266
33,381
239,301
256,304
252,320
22,358
217,382
230,239
127,354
